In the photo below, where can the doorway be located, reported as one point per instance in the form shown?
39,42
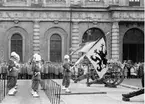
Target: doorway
133,45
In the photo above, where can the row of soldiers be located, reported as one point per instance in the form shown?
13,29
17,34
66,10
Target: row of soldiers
47,68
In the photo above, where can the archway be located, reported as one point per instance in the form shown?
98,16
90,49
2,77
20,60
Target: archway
133,45
92,34
17,44
64,40
55,48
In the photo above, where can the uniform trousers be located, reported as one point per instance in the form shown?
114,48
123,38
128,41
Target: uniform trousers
66,79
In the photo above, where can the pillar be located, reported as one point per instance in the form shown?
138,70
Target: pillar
36,37
75,40
115,41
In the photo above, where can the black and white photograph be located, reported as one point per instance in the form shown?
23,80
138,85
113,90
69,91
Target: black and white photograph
72,51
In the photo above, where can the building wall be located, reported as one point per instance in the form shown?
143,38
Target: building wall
8,29
47,30
37,21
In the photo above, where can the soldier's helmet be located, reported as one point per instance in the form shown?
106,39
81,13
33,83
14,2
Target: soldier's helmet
15,55
66,57
37,57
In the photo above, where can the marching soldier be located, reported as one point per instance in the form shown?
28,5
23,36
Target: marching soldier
36,78
66,73
13,67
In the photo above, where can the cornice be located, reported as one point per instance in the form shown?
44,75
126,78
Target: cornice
75,9
125,8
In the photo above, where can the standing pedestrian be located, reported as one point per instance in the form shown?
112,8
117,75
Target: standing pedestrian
66,73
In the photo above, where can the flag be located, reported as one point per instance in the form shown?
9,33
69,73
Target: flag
87,47
74,68
96,56
80,59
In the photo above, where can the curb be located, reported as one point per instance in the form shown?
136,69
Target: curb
129,86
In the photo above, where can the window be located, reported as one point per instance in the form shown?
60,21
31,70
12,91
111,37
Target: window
133,45
16,44
94,0
55,48
134,2
55,0
16,0
92,34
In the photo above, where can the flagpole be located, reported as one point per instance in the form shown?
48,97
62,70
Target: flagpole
85,58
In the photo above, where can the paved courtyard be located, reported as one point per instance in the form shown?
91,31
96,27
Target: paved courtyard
112,95
23,96
96,93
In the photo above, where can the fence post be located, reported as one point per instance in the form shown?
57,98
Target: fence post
53,91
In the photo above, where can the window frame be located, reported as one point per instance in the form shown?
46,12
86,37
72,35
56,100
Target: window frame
56,40
17,45
134,2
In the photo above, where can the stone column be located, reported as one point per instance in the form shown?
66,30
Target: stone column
36,37
115,41
75,40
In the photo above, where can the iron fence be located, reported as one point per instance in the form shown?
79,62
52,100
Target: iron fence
3,86
53,91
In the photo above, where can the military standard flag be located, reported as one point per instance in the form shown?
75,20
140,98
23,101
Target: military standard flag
97,56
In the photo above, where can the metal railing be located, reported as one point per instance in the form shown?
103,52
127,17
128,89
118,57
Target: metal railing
3,86
53,91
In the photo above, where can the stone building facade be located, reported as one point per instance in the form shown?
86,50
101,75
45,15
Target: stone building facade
56,27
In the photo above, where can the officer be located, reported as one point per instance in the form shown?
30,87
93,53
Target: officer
36,78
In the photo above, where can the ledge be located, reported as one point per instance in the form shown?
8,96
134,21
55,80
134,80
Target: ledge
125,8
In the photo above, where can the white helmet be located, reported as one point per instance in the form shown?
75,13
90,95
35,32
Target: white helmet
37,57
66,57
13,54
17,57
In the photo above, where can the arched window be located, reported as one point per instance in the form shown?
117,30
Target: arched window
55,48
92,34
17,44
133,45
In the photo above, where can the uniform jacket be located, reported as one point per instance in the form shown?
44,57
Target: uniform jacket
12,68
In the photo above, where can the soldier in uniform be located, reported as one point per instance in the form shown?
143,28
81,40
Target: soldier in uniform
13,67
66,73
36,78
